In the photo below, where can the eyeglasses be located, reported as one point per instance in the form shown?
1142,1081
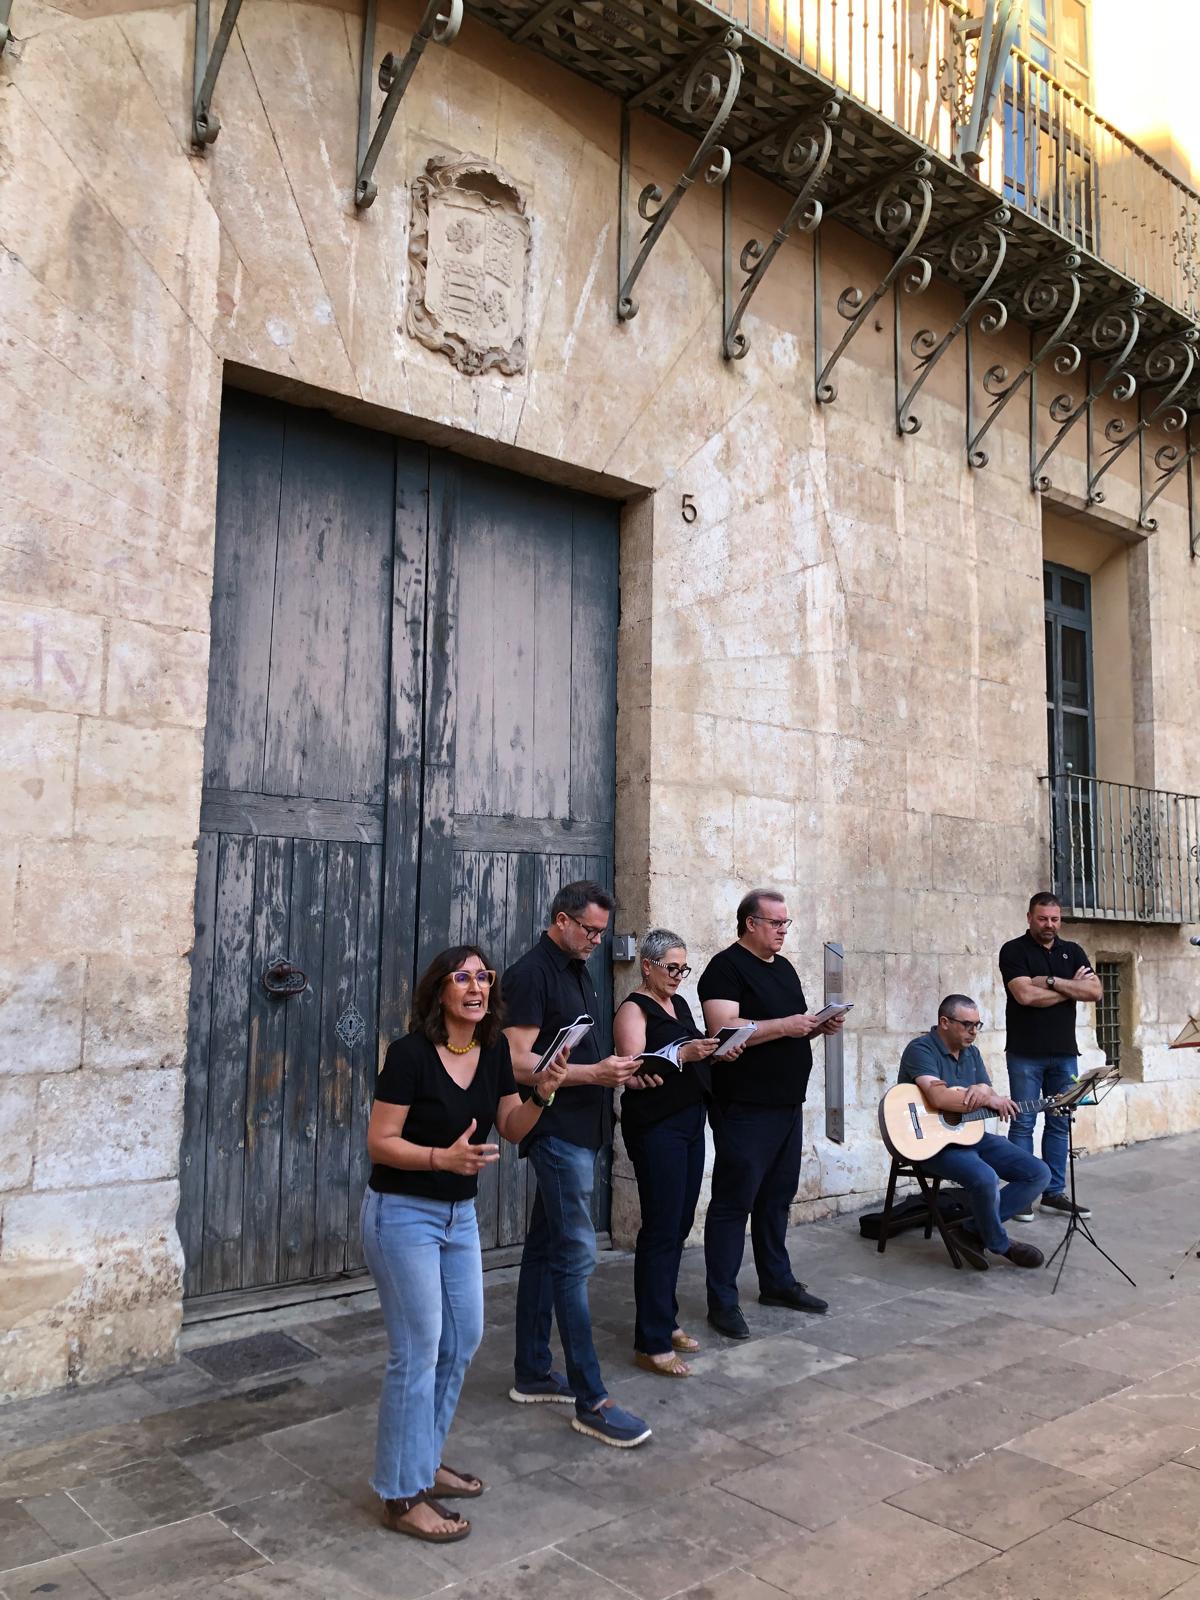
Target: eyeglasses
972,1027
780,923
671,968
594,934
485,979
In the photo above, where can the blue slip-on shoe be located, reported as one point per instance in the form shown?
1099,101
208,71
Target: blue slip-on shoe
553,1389
608,1423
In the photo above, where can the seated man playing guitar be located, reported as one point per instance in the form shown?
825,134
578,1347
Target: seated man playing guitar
947,1068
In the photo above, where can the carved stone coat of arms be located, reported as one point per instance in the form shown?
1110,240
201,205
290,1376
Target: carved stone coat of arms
468,255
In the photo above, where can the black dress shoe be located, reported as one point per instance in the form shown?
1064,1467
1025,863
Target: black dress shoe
796,1298
731,1323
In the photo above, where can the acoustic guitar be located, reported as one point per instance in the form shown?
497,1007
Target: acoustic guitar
914,1131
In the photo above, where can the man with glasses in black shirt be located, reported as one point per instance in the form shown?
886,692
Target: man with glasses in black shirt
757,1112
547,988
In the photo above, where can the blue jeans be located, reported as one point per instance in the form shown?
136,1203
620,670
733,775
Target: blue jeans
556,1263
756,1174
977,1169
424,1257
1030,1079
668,1159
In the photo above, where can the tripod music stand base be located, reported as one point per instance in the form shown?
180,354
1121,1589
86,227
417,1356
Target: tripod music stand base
1076,1224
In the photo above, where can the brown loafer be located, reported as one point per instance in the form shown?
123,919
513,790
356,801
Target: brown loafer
394,1511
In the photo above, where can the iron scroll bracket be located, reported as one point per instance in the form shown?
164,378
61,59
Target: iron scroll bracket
802,156
1040,296
903,203
206,125
441,21
1113,333
1169,366
978,247
713,76
1170,460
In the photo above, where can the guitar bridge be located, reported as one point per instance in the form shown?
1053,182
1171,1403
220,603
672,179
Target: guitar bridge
918,1130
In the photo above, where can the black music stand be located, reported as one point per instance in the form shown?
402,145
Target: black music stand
1091,1092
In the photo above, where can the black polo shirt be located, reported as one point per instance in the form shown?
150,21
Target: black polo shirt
545,989
1039,1031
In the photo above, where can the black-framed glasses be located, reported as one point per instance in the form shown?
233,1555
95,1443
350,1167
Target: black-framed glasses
780,923
485,978
972,1027
671,968
594,934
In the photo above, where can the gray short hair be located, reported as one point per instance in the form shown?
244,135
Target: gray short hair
658,941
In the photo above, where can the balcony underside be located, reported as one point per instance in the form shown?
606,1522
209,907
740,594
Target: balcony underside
638,50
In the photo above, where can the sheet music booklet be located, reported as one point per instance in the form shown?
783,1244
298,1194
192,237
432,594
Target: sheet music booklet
730,1038
565,1039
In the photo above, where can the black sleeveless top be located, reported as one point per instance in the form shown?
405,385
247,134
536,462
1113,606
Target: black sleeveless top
641,1108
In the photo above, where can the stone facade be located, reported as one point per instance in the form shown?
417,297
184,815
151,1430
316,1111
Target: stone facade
832,679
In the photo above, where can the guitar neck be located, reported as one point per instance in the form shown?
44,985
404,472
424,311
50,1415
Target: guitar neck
986,1111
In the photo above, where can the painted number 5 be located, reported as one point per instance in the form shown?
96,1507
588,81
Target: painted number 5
688,509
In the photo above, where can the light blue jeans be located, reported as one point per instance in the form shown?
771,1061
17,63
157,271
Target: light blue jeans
424,1257
1031,1078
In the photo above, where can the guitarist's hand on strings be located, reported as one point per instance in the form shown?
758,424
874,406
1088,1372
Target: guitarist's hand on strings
976,1096
1003,1106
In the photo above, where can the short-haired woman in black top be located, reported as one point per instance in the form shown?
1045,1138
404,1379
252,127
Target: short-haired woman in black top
662,1121
441,1089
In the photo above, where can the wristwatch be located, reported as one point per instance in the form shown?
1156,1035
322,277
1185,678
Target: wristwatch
1050,981
538,1101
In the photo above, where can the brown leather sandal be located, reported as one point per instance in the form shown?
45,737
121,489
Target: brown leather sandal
684,1343
668,1369
473,1486
395,1510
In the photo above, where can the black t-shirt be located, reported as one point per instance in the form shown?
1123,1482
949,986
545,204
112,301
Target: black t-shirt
439,1111
774,1074
1040,1030
545,989
642,1108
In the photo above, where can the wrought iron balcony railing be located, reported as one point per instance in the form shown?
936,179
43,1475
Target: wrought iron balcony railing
1123,853
1064,164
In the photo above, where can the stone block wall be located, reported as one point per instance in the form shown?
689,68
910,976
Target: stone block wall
832,679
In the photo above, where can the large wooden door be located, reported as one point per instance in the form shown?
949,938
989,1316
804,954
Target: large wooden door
409,740
519,734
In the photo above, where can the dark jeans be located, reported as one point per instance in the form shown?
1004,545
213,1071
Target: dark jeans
756,1175
978,1169
1031,1078
668,1160
559,1255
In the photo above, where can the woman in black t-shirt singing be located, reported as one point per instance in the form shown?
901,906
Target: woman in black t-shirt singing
441,1089
662,1121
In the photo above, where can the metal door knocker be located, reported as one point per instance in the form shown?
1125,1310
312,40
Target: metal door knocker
281,980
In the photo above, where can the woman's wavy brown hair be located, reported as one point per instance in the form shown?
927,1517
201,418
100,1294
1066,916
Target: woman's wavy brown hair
426,1016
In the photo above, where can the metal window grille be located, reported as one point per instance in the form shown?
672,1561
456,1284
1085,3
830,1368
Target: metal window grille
1108,1012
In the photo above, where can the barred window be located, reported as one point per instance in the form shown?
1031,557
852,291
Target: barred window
1108,1012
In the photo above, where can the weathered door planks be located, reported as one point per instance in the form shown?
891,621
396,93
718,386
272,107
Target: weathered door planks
402,749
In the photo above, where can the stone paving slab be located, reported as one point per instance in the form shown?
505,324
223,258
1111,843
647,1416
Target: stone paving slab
960,1434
